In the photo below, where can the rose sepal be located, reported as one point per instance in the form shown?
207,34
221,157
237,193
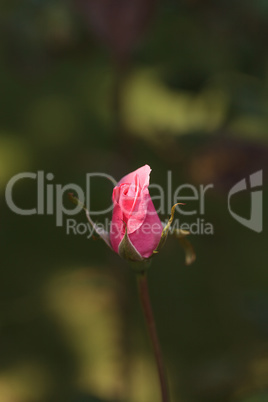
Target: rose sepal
127,250
190,255
101,232
180,234
166,229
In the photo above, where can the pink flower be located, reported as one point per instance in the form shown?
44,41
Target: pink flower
136,228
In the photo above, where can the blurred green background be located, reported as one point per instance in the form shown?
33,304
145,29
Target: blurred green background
108,86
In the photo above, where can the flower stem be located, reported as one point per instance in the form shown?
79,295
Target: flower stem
149,318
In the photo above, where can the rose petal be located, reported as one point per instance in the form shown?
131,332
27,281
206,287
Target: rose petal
147,237
143,173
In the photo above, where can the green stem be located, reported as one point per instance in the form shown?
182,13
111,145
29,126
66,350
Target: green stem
149,318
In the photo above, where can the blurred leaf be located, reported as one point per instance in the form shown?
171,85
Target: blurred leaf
15,157
151,107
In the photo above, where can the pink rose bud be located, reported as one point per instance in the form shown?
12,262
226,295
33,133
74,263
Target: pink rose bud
136,228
